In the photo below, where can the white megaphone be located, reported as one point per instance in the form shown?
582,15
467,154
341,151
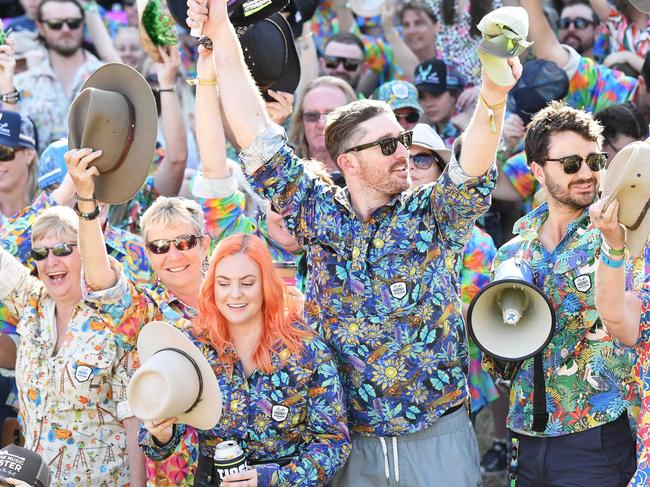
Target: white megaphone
511,319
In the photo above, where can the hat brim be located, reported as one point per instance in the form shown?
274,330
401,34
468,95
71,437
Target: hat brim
124,183
445,154
625,181
238,17
366,8
158,335
432,89
497,69
291,74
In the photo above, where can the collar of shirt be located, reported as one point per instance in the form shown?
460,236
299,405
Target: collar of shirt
527,227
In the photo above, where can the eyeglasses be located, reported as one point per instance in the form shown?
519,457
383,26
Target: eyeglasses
313,117
388,145
57,24
332,62
60,250
182,243
571,164
425,161
579,22
8,153
410,117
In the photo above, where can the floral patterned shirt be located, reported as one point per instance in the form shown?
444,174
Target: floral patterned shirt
45,101
126,309
381,292
642,376
616,33
69,399
295,411
587,373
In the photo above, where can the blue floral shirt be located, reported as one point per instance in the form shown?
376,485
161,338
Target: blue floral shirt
587,373
380,292
297,411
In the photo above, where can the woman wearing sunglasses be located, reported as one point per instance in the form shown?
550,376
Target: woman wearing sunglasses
70,371
293,427
173,231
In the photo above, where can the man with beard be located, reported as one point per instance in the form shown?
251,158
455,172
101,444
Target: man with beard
344,58
576,432
379,286
47,90
578,24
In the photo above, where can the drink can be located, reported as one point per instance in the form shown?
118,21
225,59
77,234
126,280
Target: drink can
229,458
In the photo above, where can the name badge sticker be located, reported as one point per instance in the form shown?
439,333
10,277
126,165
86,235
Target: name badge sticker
582,283
398,289
279,413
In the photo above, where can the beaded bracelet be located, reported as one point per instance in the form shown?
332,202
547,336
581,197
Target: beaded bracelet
609,262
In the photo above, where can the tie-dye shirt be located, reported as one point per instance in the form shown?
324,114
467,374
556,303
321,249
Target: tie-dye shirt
587,373
381,292
295,411
616,33
642,376
69,398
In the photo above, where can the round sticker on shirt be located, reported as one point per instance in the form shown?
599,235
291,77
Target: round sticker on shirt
400,90
83,373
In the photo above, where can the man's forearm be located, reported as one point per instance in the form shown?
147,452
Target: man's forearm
169,177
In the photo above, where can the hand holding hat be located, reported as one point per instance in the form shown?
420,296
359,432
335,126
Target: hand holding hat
504,32
604,216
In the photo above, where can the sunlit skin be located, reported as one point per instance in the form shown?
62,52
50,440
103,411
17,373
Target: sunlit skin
238,291
14,173
420,34
61,275
349,51
180,271
616,144
581,40
572,191
29,6
65,41
279,233
422,176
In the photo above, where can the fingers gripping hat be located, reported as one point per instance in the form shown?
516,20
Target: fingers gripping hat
504,32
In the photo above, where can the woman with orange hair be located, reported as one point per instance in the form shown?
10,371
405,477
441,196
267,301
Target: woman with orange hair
282,396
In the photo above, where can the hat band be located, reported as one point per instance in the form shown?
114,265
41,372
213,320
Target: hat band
641,217
129,139
196,368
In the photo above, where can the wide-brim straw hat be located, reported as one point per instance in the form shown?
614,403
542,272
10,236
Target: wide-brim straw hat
174,379
115,111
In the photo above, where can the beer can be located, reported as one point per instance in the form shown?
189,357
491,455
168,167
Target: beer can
229,458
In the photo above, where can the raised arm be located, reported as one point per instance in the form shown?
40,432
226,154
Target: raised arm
546,44
99,34
169,176
404,57
602,8
619,311
243,108
98,272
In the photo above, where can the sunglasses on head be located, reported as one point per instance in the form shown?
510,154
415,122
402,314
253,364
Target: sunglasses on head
60,250
579,22
410,117
182,243
332,62
425,161
313,117
57,24
572,164
8,153
388,145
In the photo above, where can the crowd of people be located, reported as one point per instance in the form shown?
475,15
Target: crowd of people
319,199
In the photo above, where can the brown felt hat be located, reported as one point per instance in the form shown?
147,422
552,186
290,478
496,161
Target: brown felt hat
628,180
115,111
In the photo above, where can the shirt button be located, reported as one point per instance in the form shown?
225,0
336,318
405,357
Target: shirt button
550,266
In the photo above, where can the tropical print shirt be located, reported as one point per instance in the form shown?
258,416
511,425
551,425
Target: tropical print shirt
642,376
295,411
69,399
587,373
126,216
44,99
474,275
126,309
129,250
616,33
593,86
381,292
449,133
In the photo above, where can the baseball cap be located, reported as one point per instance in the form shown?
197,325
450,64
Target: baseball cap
398,94
541,82
51,165
425,136
436,77
16,130
23,464
504,32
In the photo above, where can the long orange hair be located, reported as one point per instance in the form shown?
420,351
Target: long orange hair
278,311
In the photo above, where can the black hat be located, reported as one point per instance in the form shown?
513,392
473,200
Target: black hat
271,54
23,464
436,77
240,12
16,130
541,82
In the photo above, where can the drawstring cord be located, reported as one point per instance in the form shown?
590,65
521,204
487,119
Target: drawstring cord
384,448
